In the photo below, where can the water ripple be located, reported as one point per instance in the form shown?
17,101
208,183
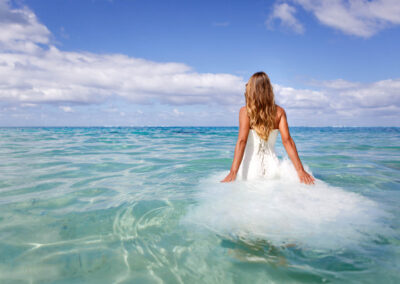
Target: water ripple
105,205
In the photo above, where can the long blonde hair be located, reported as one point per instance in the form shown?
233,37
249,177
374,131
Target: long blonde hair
260,104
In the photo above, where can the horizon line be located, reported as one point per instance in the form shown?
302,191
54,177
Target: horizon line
172,126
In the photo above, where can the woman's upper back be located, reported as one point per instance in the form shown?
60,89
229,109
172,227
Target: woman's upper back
279,113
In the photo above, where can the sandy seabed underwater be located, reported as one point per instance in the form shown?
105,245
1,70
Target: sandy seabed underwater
144,205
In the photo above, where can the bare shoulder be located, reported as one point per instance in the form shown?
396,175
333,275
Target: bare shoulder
243,117
243,112
280,112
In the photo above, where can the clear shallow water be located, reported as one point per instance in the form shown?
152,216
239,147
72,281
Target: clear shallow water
106,205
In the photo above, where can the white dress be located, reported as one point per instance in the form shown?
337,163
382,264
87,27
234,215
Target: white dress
267,201
259,159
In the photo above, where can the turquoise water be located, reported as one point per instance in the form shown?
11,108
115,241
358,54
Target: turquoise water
105,205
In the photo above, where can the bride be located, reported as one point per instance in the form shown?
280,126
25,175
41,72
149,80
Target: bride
259,123
283,210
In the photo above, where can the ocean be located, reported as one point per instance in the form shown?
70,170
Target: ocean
129,205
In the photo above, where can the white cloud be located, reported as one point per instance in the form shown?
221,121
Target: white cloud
343,102
66,108
58,76
343,95
336,84
300,98
286,14
28,105
31,73
20,29
354,17
381,94
177,112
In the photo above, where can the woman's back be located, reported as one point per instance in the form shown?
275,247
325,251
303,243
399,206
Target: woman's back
259,158
278,116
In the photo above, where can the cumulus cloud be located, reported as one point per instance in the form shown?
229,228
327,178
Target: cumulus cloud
354,17
340,102
381,94
339,95
285,13
58,76
32,70
20,29
300,98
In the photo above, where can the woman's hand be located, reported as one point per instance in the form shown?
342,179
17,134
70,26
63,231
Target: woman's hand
230,177
305,177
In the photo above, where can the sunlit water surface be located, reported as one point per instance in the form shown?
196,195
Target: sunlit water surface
129,205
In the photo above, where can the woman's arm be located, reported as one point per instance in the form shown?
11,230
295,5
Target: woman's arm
290,148
244,128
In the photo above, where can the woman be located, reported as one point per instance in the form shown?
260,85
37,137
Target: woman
259,121
282,211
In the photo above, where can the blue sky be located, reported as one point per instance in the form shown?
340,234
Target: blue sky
332,63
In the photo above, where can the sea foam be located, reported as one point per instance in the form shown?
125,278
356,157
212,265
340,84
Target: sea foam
283,212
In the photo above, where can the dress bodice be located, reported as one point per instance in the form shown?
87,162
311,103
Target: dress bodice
264,146
259,158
